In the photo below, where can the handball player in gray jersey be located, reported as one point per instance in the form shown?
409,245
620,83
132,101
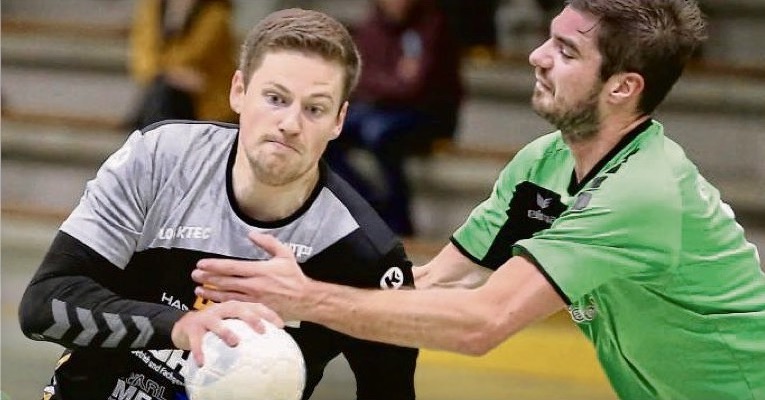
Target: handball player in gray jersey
115,287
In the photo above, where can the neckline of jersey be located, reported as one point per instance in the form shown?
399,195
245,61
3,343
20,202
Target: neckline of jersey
574,186
268,224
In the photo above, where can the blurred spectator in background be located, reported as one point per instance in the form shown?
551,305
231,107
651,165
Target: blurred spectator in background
409,94
474,23
183,53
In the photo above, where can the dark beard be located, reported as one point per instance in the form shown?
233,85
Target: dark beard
577,124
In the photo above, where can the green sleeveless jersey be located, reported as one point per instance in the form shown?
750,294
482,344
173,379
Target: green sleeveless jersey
655,269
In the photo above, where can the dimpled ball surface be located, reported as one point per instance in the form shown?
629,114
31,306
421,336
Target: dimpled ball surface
265,366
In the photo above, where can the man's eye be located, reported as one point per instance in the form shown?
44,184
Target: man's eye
566,53
273,98
315,110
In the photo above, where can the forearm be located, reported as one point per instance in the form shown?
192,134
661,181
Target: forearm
469,321
440,319
76,312
64,305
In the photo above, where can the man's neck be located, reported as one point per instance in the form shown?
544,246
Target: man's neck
588,152
265,202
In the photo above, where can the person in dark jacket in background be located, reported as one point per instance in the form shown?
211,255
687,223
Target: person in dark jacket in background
409,93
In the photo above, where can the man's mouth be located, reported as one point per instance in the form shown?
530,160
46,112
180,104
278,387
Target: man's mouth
280,143
541,85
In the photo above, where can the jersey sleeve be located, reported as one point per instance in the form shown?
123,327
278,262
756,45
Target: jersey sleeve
630,227
396,271
67,302
486,237
111,213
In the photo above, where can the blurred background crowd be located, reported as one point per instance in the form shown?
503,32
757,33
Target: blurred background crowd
441,106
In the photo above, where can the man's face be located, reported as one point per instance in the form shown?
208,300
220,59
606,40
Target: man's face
287,115
568,87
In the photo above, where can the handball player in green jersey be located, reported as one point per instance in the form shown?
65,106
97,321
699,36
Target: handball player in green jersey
605,217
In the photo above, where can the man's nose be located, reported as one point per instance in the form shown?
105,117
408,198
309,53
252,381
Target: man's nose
291,120
540,57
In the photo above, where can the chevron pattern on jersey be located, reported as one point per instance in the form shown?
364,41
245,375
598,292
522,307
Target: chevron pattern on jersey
86,327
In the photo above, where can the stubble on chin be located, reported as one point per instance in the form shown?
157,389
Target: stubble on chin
578,123
274,173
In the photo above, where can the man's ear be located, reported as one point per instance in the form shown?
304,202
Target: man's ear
236,94
340,120
624,87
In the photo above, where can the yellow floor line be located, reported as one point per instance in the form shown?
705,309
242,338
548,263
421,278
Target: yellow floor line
550,349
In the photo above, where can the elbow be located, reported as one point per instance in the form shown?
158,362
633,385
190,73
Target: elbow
481,337
30,329
478,344
30,314
27,321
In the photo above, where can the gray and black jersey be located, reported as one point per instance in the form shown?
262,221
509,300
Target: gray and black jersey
118,274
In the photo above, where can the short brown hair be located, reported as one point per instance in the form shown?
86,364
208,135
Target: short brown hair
305,31
654,38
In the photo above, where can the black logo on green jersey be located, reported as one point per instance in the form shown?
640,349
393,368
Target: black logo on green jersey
533,208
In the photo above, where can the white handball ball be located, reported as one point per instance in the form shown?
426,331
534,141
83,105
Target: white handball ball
266,366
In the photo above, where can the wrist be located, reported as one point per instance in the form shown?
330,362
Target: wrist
309,298
313,298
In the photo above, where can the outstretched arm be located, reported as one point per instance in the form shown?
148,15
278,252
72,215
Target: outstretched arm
470,321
